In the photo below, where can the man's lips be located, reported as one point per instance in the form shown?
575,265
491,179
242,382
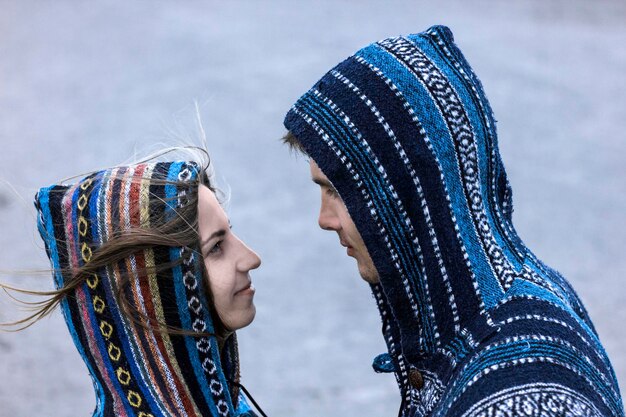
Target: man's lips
349,249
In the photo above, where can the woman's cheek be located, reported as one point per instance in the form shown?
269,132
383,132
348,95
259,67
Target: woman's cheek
220,286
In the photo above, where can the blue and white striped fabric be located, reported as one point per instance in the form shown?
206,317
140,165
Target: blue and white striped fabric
475,324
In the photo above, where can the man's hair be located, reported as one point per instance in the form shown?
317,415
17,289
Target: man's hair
294,144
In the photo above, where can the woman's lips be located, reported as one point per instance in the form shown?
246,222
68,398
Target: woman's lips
246,290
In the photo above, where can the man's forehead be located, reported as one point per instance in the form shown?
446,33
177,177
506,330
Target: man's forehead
317,175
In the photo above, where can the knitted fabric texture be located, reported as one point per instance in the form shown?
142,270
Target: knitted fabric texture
474,323
135,371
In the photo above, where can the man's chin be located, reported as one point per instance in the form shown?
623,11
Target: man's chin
369,276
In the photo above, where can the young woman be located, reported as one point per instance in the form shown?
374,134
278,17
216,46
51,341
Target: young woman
153,284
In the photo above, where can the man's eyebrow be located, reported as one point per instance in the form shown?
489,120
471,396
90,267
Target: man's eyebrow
322,183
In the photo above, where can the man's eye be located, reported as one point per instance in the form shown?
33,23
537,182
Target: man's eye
331,192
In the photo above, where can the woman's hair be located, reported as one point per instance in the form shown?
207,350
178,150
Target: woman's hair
164,231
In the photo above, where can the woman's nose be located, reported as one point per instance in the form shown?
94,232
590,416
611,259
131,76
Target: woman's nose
249,259
255,259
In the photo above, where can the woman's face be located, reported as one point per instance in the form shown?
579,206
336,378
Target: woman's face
228,262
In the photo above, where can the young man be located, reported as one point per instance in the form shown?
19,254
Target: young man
402,142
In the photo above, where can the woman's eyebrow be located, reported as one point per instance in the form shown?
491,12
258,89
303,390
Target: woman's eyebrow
218,233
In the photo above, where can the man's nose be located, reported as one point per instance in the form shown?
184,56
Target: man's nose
328,219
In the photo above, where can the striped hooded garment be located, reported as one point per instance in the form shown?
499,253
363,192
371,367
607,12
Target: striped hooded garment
475,324
137,372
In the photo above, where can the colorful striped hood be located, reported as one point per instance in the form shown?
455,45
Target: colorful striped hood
471,317
136,371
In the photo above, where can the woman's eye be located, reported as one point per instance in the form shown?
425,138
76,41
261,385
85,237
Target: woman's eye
216,248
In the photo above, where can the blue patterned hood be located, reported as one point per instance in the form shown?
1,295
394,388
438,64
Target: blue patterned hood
139,370
406,135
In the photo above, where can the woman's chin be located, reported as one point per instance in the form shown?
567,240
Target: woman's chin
251,314
241,319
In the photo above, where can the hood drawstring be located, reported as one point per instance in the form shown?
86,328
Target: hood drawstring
249,396
384,364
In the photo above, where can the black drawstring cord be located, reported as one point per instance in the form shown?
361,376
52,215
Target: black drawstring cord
250,398
401,407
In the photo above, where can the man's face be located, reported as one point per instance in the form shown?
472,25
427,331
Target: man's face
334,216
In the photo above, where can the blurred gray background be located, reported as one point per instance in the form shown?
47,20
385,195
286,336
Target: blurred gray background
85,84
